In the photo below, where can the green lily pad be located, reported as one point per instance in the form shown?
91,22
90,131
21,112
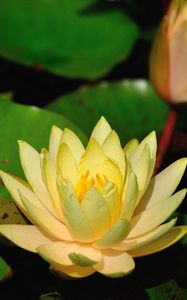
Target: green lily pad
166,291
69,38
26,123
131,106
5,270
10,214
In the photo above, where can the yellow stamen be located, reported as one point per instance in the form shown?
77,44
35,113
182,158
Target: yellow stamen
100,182
84,184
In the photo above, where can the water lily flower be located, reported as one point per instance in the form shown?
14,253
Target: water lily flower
168,71
94,209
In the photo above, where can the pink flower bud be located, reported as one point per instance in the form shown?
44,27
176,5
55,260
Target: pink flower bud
168,62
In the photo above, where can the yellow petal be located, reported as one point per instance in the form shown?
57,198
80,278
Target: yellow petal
111,173
130,197
101,130
171,237
75,218
115,264
113,150
54,142
112,199
73,142
92,160
96,211
28,237
114,235
126,180
142,170
66,164
150,139
50,178
156,215
131,244
63,254
84,255
46,221
72,271
30,161
130,148
162,185
56,253
13,185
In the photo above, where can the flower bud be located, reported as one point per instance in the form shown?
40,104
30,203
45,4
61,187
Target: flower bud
168,62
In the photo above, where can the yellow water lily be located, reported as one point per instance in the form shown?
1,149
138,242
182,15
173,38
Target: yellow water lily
94,209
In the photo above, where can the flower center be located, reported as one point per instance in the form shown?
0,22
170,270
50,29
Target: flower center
85,183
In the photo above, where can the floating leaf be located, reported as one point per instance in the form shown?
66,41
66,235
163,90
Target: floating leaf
70,38
9,213
130,106
25,123
5,270
166,291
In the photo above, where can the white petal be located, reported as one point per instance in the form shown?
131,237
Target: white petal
115,264
30,161
156,215
28,237
162,185
101,130
54,142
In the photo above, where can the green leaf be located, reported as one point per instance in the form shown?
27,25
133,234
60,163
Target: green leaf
131,107
166,291
70,38
26,123
5,270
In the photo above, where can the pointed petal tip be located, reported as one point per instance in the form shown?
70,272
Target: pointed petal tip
55,128
153,135
2,173
183,161
43,153
102,118
20,142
